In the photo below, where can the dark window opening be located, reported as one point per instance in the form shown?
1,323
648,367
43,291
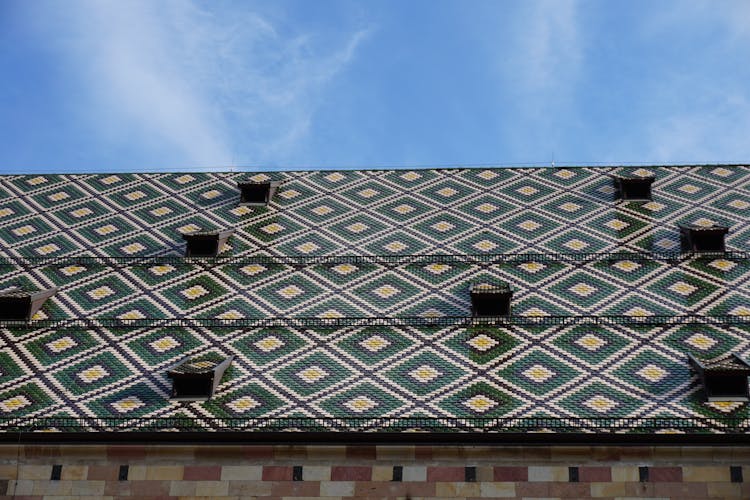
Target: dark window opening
297,473
192,387
724,379
735,473
18,305
633,188
206,243
398,473
196,380
56,473
257,193
643,474
489,299
694,238
573,474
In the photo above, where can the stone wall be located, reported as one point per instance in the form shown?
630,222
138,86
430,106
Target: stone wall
188,471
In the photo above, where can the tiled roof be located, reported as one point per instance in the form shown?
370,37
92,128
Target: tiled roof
348,295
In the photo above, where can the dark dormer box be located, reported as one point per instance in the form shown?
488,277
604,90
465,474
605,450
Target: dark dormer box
490,299
633,188
695,238
257,193
206,243
18,305
194,380
723,379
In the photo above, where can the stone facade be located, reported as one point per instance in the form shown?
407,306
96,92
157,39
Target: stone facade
521,472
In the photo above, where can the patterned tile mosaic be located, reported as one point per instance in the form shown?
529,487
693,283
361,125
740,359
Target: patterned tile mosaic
584,370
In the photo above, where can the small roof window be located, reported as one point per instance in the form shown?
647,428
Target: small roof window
206,243
19,305
490,299
702,238
254,193
633,188
723,379
196,380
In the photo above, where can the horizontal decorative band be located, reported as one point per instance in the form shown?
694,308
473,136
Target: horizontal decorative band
306,260
599,425
468,321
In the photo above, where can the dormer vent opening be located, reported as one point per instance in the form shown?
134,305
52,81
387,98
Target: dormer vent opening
197,380
206,243
703,238
20,305
257,193
633,188
723,379
490,299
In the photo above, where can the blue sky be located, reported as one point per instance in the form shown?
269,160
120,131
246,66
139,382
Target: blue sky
150,85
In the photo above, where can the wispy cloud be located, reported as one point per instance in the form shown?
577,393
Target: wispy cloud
550,45
702,115
540,61
205,87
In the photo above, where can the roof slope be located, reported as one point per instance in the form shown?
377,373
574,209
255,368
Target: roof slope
348,294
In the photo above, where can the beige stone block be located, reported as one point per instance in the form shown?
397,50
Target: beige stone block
8,453
250,488
137,472
599,490
182,488
699,454
577,455
667,455
87,488
448,454
316,472
481,454
395,453
74,472
485,473
7,472
414,473
625,473
296,453
337,488
724,490
242,472
602,455
212,488
739,454
170,454
492,489
548,473
58,488
327,454
705,474
452,489
84,454
21,487
379,473
505,454
164,472
38,472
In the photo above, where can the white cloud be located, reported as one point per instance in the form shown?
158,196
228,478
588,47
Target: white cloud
550,44
210,87
705,133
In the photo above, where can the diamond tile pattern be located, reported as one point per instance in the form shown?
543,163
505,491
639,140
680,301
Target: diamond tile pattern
583,370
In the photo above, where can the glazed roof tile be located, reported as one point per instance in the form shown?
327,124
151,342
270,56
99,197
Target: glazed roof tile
388,257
